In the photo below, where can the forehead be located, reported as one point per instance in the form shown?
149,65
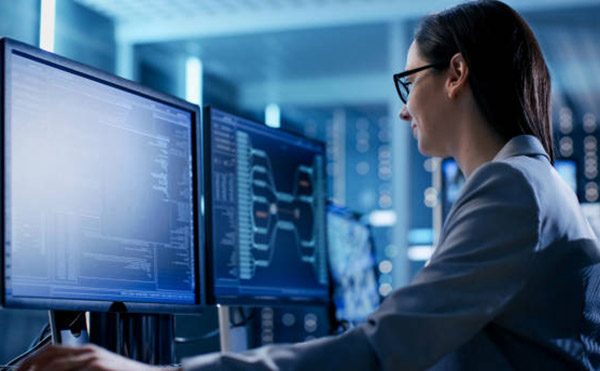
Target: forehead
414,59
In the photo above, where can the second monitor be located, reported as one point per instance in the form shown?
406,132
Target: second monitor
266,199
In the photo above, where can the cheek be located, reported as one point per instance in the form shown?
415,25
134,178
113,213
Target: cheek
419,106
430,113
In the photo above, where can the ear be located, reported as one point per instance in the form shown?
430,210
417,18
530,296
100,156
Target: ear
457,76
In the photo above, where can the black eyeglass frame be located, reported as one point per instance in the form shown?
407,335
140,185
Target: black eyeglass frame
403,85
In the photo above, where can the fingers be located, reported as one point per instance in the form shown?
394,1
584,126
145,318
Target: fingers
52,353
70,362
88,358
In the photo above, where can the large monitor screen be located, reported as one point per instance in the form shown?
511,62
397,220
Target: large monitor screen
267,201
99,188
353,266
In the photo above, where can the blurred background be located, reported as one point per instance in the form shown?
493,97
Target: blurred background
323,69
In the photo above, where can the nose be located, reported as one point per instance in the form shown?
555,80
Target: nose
405,115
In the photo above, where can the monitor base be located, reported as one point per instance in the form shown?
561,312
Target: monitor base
68,327
147,338
231,339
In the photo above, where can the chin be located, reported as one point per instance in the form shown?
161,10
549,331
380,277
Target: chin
429,151
424,149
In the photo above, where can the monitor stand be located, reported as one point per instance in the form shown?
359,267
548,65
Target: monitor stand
147,338
68,327
231,339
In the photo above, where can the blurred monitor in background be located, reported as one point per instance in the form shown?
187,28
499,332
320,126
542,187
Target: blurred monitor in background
452,182
567,169
592,214
353,266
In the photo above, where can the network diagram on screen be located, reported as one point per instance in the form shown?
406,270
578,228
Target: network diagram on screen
267,200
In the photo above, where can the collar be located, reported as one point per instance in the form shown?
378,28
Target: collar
526,145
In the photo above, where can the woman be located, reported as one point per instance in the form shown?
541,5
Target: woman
513,282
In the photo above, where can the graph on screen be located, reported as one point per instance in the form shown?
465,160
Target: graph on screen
268,211
264,210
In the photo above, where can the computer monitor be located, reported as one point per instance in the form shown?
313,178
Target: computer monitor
567,169
353,266
266,242
99,190
591,211
453,180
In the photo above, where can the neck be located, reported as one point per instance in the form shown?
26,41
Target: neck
478,145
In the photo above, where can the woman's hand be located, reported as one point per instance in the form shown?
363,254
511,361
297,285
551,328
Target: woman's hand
89,357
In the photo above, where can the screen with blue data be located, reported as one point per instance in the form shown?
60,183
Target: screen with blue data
267,201
352,266
99,192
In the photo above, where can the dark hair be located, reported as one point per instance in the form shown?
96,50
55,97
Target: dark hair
508,75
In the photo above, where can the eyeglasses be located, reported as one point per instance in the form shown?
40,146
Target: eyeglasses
402,85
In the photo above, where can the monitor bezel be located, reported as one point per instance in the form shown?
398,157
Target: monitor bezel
7,47
247,300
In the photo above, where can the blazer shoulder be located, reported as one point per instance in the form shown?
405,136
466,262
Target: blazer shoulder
502,179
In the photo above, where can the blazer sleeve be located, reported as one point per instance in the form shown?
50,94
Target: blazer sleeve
480,264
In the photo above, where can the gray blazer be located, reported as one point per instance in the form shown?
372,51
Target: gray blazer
513,284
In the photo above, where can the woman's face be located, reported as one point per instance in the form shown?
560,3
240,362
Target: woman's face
427,108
